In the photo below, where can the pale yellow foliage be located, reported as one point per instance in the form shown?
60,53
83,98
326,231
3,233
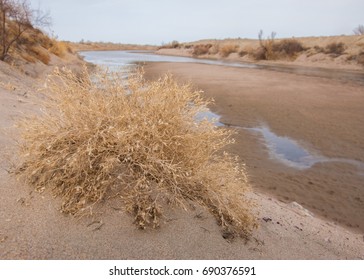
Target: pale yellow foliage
101,135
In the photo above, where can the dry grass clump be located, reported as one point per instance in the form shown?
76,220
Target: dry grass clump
287,47
270,49
172,45
265,52
226,50
215,48
141,143
34,45
265,49
335,49
59,48
39,53
201,49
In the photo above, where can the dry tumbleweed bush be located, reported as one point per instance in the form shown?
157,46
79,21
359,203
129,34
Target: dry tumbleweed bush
98,134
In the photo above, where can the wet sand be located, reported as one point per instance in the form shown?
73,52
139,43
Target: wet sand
324,115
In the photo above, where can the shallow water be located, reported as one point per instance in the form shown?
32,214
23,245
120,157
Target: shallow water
291,153
210,116
117,59
127,60
287,150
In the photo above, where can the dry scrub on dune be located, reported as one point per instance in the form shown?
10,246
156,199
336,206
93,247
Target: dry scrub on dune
226,50
140,142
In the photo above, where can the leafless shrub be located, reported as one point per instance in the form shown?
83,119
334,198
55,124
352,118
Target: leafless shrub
16,17
359,30
98,137
265,51
335,49
269,49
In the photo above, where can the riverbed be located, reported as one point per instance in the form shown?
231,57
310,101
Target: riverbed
316,117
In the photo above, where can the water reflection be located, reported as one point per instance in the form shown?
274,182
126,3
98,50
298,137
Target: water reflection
129,60
291,153
286,149
210,116
117,59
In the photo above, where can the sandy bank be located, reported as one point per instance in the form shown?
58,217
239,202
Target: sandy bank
313,56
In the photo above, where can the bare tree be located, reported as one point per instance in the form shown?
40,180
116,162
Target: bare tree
17,17
266,45
359,30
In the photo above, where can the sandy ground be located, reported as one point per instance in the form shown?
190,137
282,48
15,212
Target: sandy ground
31,226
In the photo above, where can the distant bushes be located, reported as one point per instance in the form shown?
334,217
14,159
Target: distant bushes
265,50
60,48
201,49
335,48
287,47
172,45
270,49
226,50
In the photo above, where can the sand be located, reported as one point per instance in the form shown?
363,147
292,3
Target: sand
32,226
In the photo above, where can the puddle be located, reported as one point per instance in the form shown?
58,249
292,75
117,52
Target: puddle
287,150
291,153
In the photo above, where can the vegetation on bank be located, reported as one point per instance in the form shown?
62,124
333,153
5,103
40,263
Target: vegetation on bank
20,39
141,143
348,48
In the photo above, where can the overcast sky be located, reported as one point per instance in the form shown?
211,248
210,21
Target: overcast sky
161,21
